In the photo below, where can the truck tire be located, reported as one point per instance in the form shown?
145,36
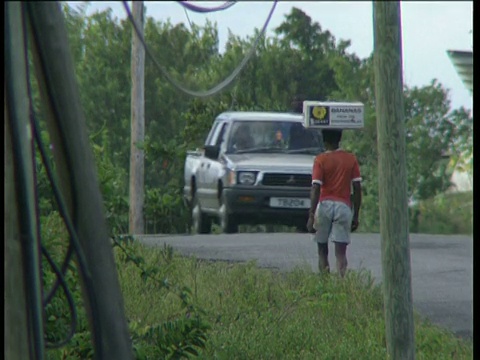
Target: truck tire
227,222
201,223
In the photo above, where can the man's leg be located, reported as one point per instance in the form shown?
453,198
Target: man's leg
341,235
323,226
341,256
323,265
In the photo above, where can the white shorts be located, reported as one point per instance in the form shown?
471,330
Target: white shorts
333,220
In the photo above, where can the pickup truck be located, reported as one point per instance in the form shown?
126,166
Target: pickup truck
255,168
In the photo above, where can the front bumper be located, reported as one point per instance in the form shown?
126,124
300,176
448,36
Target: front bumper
251,205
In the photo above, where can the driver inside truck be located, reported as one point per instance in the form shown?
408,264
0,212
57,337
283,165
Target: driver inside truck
279,141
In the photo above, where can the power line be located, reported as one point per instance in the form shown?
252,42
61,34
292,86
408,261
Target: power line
74,239
63,271
188,18
234,98
15,92
203,57
71,303
200,9
216,89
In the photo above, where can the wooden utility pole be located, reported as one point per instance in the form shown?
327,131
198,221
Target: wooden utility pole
136,222
392,180
79,181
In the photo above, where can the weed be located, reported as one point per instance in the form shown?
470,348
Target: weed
183,307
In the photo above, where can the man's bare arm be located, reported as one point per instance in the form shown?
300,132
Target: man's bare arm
314,197
357,202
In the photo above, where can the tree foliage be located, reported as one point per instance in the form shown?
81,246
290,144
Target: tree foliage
300,58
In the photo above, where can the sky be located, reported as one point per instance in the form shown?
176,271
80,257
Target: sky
429,29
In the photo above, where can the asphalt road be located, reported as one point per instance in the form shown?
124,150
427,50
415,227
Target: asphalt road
442,266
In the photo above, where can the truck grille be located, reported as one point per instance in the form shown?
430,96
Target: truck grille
294,180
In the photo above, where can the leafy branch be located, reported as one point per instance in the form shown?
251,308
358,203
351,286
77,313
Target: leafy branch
178,338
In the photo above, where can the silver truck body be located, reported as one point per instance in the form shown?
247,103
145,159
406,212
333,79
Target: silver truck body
258,184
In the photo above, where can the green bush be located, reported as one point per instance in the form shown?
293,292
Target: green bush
449,213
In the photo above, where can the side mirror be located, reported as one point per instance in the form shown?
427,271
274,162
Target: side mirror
212,151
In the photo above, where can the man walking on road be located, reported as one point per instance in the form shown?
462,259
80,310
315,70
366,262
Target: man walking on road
335,171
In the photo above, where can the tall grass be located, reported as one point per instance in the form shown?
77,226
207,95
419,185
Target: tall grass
182,307
256,313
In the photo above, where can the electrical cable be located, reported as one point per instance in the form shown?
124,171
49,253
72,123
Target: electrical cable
36,199
26,228
188,19
200,9
74,241
203,58
234,99
69,254
216,89
63,270
60,281
68,295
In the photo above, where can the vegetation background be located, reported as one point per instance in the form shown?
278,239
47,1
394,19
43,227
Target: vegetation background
301,58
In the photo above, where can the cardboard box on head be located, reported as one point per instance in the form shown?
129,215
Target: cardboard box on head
333,115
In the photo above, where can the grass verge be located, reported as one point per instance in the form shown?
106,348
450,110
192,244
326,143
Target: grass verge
255,313
181,307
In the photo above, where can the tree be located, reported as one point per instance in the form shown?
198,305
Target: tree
433,132
296,59
314,46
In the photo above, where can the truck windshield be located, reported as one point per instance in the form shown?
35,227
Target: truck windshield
272,137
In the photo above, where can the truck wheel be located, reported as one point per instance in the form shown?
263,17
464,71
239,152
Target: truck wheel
227,223
201,223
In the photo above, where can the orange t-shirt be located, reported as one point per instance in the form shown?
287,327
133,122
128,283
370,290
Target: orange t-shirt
335,171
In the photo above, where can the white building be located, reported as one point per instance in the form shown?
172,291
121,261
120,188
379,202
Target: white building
463,63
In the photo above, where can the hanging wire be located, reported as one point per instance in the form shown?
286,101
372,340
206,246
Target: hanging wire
188,18
234,102
63,271
192,31
216,89
26,227
200,9
74,241
60,273
68,295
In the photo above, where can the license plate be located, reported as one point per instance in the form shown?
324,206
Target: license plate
292,203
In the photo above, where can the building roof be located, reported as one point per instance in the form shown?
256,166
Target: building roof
463,63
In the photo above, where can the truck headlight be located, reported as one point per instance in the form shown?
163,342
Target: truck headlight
232,177
246,177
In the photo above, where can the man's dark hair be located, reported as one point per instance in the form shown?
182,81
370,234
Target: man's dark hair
332,136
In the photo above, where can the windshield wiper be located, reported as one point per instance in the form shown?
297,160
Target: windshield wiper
266,149
310,150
